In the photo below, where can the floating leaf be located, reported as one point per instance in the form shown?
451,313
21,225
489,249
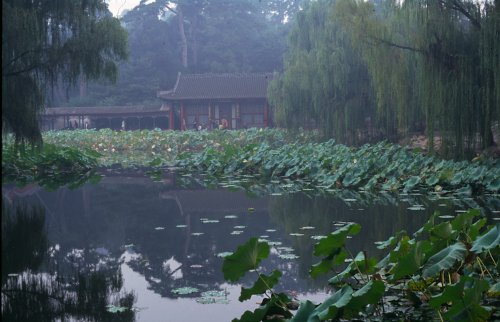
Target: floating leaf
224,254
185,290
288,256
116,309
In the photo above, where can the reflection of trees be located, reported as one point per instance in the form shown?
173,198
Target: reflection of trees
378,222
24,239
29,294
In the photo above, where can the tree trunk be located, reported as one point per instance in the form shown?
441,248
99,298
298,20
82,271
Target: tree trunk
184,46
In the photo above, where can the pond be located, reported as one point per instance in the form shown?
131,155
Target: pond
157,246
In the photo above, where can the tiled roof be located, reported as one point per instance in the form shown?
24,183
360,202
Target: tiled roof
218,86
104,110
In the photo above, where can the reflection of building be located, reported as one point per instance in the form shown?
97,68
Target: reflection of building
114,117
232,101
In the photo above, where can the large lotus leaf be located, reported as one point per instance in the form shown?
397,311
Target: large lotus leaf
327,263
359,264
245,258
432,180
409,263
475,228
411,182
269,307
442,231
329,309
494,185
463,221
305,313
335,240
487,241
465,298
445,259
494,290
260,286
333,306
370,293
393,240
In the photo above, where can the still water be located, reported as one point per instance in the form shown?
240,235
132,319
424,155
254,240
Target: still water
129,247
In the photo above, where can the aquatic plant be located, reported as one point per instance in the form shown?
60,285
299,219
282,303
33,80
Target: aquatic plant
50,166
447,269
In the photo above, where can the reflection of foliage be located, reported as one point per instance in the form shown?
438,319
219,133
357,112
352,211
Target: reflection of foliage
30,296
295,211
24,238
435,270
39,297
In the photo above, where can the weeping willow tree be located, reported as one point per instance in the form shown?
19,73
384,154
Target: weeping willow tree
46,41
434,63
324,82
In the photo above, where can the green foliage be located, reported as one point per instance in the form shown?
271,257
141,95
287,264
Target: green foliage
324,82
421,269
262,284
432,65
45,43
276,154
245,258
50,166
444,260
486,242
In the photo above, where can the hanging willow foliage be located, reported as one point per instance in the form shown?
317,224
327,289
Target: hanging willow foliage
325,82
44,41
411,65
435,62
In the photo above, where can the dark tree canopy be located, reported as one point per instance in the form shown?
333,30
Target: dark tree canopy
45,42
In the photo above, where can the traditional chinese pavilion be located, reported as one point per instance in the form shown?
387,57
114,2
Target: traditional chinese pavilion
208,101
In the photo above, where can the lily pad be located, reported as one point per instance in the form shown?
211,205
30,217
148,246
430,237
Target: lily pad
288,256
224,254
185,290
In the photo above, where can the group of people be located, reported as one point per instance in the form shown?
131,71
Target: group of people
224,124
74,125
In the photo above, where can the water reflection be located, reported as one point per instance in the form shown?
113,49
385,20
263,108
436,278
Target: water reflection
34,289
165,236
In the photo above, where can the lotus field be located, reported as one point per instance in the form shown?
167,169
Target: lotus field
271,154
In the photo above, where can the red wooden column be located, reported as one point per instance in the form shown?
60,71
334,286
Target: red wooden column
265,114
171,117
183,120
